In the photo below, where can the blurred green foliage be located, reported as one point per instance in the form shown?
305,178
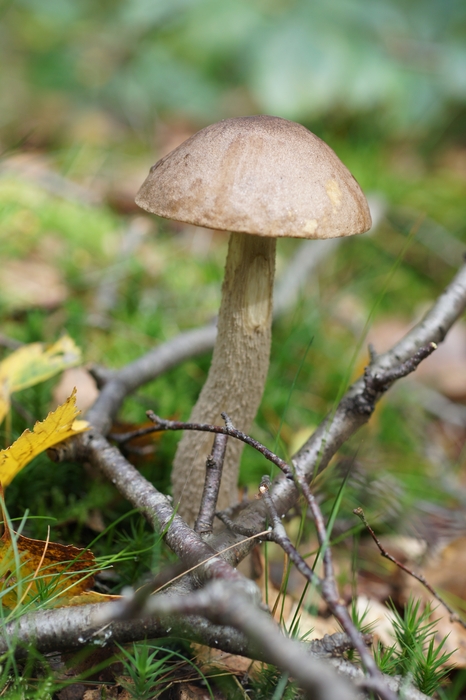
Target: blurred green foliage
400,65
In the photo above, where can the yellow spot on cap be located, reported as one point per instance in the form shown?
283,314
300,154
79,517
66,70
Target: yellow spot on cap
310,226
334,193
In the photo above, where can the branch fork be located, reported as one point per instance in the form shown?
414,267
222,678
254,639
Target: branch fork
211,558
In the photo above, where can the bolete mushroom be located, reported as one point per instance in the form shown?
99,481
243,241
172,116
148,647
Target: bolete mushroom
261,178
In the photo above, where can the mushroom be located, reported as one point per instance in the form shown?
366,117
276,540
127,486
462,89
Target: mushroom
261,178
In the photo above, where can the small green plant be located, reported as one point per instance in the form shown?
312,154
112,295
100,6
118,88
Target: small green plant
415,654
358,617
30,679
150,670
146,670
270,684
144,549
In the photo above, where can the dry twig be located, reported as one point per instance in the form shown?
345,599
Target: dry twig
74,627
454,617
214,465
327,585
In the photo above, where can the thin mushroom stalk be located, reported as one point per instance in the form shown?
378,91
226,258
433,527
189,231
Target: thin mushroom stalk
238,371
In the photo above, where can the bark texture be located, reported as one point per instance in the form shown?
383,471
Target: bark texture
237,374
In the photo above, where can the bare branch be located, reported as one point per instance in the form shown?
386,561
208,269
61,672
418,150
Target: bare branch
228,429
226,517
336,644
346,420
454,617
125,381
106,294
378,382
72,627
156,508
213,475
279,536
191,549
230,606
396,684
328,585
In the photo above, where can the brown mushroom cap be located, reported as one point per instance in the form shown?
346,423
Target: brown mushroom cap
262,175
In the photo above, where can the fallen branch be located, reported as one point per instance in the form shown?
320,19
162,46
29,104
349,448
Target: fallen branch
55,629
454,617
229,606
153,505
213,475
229,430
327,585
120,384
71,628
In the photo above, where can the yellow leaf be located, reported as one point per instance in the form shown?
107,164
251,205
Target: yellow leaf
32,364
42,570
45,571
58,426
54,571
88,598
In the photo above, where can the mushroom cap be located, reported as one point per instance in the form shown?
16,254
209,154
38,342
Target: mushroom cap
262,175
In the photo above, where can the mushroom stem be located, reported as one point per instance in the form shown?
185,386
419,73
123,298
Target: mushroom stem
237,375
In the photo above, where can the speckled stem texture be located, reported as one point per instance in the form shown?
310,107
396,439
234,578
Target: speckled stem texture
237,374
